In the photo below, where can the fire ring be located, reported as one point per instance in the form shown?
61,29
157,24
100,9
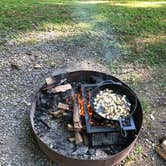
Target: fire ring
98,133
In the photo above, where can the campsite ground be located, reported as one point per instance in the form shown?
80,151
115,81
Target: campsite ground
124,38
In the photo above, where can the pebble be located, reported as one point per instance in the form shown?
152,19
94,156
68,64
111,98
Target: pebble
152,117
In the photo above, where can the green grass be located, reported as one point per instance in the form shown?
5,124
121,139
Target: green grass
139,25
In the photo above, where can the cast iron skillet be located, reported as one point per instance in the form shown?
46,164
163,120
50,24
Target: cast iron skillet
118,88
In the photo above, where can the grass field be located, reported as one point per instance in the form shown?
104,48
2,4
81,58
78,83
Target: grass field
139,25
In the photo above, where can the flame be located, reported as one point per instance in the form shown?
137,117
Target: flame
81,103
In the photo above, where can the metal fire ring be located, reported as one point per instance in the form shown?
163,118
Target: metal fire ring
69,161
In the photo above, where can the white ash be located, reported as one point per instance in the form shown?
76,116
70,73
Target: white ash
57,139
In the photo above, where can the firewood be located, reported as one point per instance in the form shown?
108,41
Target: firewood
65,114
63,106
161,152
45,122
85,139
78,137
50,80
70,126
76,120
76,116
72,139
163,145
56,113
53,84
61,88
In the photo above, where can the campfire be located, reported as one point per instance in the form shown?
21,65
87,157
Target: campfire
85,116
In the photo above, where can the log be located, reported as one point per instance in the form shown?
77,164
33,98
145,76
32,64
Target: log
78,137
76,120
76,117
161,152
50,80
56,113
61,88
72,139
85,139
163,145
54,83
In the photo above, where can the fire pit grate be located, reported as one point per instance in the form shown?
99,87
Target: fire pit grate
114,127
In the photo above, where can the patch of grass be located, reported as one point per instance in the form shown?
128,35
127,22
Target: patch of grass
143,20
129,161
150,125
133,79
138,150
22,15
146,106
50,62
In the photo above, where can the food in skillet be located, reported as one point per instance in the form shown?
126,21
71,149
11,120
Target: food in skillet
111,105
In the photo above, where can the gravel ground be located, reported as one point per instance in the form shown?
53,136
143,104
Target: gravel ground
20,78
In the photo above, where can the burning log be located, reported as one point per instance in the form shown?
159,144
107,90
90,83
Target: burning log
76,120
76,117
63,106
61,88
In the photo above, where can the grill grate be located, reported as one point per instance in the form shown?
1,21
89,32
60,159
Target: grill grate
116,128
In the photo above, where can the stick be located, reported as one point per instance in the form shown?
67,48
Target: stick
76,120
78,137
76,117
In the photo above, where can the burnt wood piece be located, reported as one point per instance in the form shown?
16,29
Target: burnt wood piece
50,80
72,139
85,139
76,117
163,145
71,128
45,122
56,113
61,88
78,137
161,152
63,106
55,83
76,120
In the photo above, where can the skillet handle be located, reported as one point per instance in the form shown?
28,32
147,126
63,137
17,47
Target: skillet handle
123,133
122,130
109,82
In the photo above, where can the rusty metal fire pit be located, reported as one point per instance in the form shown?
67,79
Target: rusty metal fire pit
114,159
